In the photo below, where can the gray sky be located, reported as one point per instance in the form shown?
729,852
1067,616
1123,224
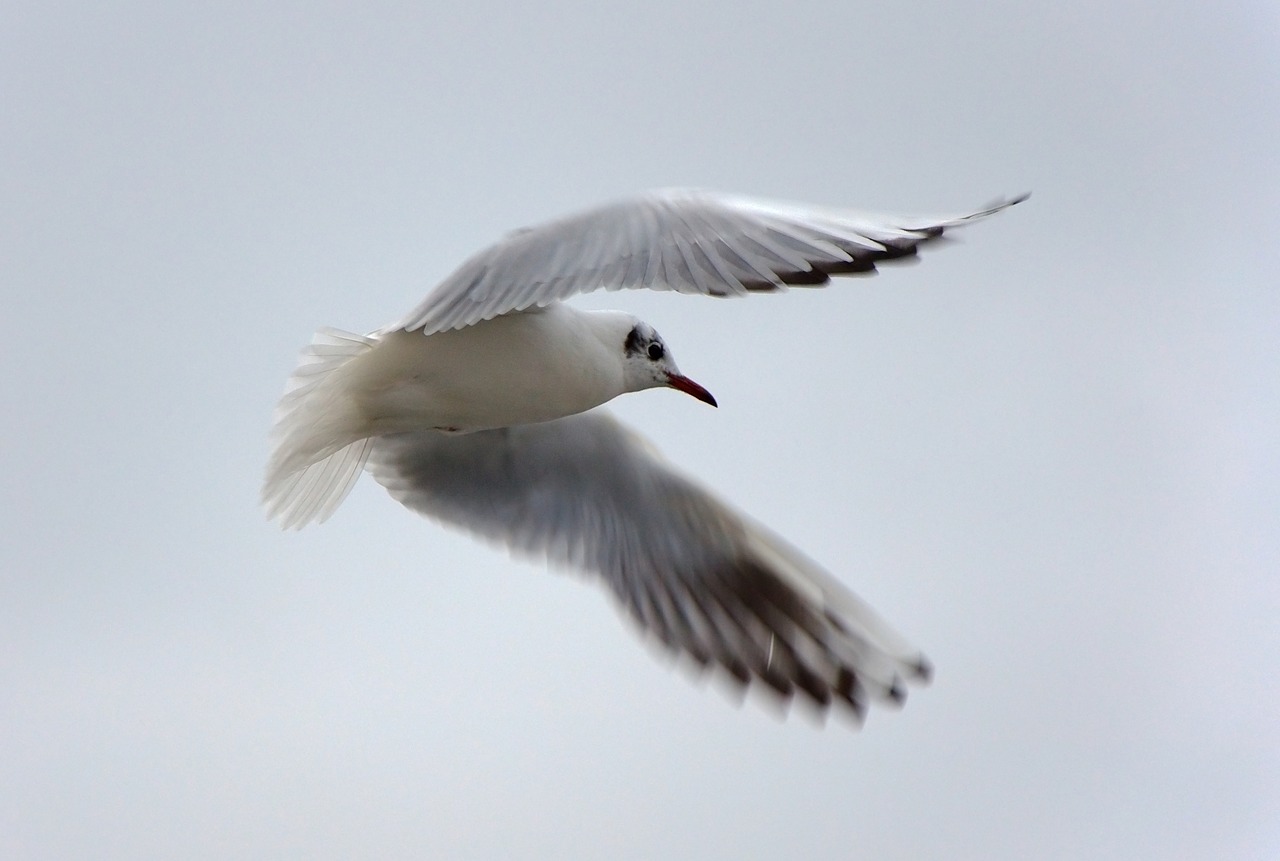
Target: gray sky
1047,454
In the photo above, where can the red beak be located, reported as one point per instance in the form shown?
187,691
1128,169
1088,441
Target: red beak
689,387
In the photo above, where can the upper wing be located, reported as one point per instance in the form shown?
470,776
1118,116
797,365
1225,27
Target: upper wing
704,579
683,240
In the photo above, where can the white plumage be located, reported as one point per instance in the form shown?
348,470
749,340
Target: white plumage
473,410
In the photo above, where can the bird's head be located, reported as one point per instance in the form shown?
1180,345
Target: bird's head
647,364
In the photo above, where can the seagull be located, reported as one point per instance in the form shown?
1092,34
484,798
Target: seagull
479,409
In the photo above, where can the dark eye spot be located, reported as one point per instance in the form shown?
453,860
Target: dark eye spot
655,351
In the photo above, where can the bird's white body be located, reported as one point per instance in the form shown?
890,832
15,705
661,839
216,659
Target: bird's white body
514,369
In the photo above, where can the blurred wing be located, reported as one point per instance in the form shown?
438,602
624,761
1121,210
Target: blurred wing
682,240
706,581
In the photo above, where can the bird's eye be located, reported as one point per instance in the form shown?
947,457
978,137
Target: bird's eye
655,351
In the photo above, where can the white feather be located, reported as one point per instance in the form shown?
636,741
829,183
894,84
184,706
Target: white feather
320,435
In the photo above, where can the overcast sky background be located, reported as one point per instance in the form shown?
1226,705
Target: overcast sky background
1047,454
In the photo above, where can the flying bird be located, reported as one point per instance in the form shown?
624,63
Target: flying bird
478,410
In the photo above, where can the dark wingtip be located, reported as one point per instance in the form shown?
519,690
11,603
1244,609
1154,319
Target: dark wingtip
997,205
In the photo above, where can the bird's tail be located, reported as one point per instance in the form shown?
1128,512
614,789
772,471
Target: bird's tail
320,438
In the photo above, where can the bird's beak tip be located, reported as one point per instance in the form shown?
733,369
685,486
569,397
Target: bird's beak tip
689,387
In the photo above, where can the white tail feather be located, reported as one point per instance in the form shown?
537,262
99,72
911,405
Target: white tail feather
321,439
